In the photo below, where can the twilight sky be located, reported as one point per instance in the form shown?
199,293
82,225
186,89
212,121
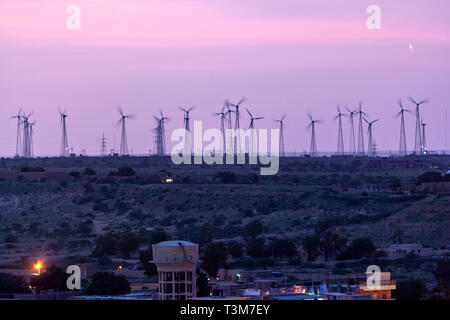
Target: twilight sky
285,56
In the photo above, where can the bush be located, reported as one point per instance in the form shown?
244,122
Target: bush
53,278
282,248
358,248
410,290
214,257
225,176
235,249
107,283
12,284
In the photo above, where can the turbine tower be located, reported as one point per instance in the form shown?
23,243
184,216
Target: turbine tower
371,143
160,134
418,145
313,146
424,140
252,148
187,137
361,114
230,147
31,147
352,146
123,139
340,143
64,152
237,127
281,142
401,114
222,115
18,133
26,146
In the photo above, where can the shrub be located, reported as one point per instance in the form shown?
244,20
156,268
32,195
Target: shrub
107,283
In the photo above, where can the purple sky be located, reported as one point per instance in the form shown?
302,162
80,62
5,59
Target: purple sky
286,56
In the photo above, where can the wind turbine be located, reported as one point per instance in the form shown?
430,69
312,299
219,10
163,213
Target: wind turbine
18,133
424,140
187,137
26,152
312,125
418,145
160,134
222,115
340,144
123,139
361,114
281,142
230,146
237,125
31,125
352,146
252,148
401,114
371,146
64,152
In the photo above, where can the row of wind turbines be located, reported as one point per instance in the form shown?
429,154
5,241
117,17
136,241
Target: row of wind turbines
24,138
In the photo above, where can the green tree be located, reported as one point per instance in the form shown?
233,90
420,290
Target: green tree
106,244
410,290
214,257
257,248
235,249
107,283
203,288
332,243
283,248
10,283
312,246
252,230
53,278
127,243
442,275
358,248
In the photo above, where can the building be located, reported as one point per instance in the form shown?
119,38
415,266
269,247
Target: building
381,291
404,249
176,262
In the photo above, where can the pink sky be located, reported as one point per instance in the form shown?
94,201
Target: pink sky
286,56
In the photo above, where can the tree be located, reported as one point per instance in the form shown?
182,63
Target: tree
106,244
225,176
203,288
53,278
214,257
159,236
89,172
410,290
332,244
442,275
127,243
358,248
312,246
235,249
283,248
252,230
10,283
257,248
145,256
126,172
107,283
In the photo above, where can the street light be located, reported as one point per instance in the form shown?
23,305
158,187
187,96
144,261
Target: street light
38,267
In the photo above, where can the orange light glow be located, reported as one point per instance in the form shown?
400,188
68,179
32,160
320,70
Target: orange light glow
38,266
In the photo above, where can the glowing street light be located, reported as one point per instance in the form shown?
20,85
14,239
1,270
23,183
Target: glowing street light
38,267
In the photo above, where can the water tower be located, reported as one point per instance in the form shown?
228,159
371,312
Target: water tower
176,262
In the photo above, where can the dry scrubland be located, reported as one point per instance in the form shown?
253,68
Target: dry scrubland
213,203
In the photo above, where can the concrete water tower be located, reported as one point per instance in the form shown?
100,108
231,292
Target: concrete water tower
176,262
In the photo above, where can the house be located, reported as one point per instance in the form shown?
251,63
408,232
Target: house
396,250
